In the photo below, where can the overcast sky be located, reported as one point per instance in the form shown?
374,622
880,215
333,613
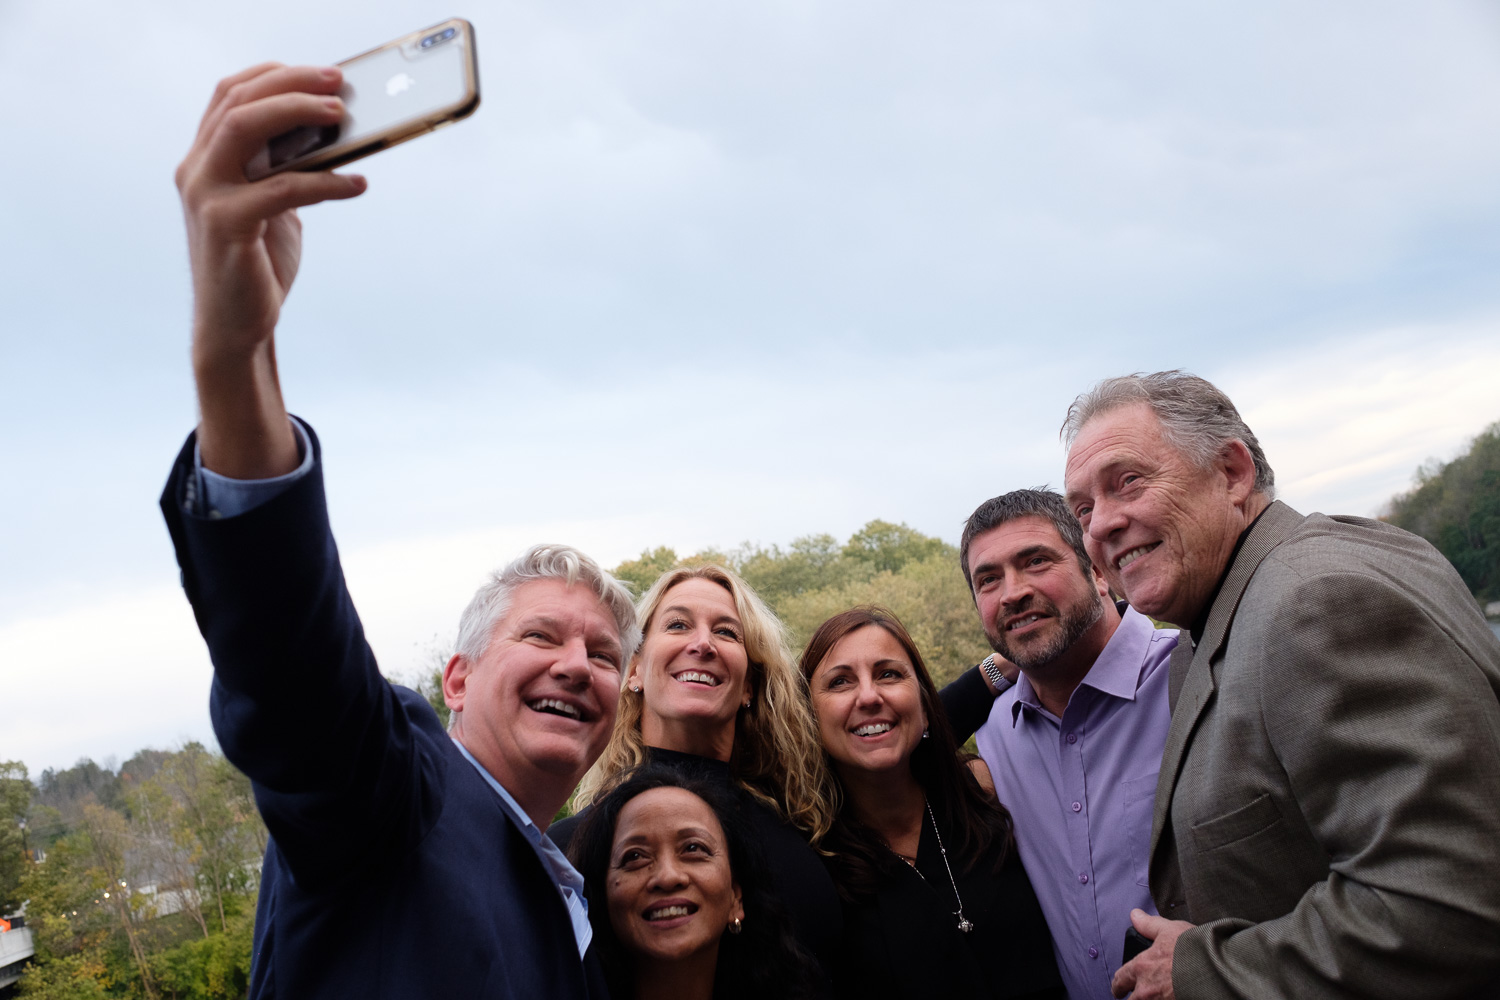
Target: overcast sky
703,273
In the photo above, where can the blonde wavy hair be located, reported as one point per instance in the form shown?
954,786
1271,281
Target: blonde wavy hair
777,756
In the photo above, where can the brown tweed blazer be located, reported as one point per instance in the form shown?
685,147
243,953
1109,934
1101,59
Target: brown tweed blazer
1328,810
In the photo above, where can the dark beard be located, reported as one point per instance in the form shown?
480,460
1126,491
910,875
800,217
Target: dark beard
1077,620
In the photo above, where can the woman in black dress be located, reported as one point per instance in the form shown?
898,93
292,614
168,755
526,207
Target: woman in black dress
936,902
713,692
681,899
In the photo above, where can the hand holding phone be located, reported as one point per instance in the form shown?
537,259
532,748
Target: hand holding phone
405,88
1135,943
244,238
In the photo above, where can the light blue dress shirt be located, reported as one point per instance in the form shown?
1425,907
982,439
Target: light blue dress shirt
219,496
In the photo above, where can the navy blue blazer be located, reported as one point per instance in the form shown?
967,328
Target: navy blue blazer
393,870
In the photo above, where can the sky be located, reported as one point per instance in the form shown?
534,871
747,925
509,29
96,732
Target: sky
697,274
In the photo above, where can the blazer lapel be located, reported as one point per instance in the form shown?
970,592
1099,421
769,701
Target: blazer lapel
1197,690
1274,527
1191,689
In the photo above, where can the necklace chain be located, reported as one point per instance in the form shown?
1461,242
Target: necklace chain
964,924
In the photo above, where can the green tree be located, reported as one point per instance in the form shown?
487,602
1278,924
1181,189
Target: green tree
887,547
81,912
929,596
1456,507
61,910
15,808
85,781
812,562
164,844
640,574
81,976
106,840
187,823
213,968
429,682
216,823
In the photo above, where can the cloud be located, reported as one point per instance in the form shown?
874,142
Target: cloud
106,676
1346,424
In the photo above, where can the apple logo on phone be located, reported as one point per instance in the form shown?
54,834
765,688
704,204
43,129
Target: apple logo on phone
398,83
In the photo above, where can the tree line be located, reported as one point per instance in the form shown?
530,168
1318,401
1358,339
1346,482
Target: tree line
1456,506
137,882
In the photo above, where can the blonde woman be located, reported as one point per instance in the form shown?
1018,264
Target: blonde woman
713,691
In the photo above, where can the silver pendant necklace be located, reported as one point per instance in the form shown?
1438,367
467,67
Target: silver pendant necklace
964,924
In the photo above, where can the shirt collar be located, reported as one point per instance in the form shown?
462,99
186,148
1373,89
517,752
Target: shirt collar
1116,671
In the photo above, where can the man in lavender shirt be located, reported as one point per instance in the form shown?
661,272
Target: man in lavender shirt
1075,746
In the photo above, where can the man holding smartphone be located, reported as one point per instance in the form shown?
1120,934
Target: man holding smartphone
404,861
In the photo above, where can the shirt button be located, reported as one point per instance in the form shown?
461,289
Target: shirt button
1072,737
1078,807
1093,953
1083,878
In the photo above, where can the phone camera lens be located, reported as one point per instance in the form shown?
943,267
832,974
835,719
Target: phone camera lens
441,36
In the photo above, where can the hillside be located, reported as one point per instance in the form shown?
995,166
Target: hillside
1456,506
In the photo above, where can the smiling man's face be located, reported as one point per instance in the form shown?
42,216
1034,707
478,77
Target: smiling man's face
539,705
1034,599
1159,527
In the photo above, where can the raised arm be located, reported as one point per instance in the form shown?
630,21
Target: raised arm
342,766
244,244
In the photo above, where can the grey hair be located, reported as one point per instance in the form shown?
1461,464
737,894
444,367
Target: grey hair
1196,417
1040,502
543,562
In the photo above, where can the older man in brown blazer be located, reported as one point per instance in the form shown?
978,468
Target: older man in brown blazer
1328,812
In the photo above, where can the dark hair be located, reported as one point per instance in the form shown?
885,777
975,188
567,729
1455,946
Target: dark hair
762,960
971,818
1040,502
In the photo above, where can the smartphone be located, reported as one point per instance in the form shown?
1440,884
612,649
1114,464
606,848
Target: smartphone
398,91
1135,943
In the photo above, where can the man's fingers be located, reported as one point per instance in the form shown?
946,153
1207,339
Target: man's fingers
274,79
293,189
240,214
246,128
1124,980
221,92
1149,926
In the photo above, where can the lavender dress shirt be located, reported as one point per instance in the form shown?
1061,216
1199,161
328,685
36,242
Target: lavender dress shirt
1080,790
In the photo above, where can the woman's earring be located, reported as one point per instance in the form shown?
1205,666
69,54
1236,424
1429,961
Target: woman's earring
735,926
924,734
635,688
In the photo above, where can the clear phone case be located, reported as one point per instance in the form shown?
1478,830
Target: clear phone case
403,89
